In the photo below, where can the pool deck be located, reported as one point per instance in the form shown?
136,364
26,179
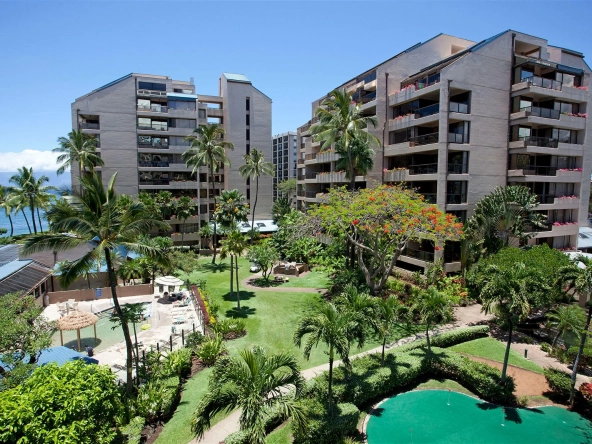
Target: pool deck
162,320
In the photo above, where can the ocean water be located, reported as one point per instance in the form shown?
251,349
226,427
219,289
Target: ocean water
20,226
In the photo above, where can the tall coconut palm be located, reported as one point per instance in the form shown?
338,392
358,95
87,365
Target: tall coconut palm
234,246
578,276
208,149
340,121
255,166
566,318
506,292
362,159
330,326
79,148
31,190
184,209
106,221
433,306
6,205
253,383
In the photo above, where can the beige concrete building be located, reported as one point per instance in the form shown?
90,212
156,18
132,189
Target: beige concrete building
284,147
458,118
141,122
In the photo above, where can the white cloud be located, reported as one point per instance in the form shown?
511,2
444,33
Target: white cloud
39,160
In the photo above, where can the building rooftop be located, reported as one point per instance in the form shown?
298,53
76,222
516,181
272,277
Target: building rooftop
236,77
22,275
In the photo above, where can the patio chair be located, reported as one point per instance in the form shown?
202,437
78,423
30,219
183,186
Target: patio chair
62,306
179,320
75,306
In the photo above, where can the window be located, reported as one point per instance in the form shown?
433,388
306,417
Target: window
565,136
183,105
248,104
248,193
201,113
183,91
179,141
182,123
248,148
143,104
152,86
399,136
456,192
248,120
248,135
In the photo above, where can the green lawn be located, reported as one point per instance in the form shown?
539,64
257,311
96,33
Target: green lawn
495,350
443,384
312,279
281,435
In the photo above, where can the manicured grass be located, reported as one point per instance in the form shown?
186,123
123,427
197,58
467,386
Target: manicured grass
495,350
444,384
281,435
312,279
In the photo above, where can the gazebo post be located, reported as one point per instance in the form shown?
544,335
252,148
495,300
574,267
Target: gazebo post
95,327
78,335
62,336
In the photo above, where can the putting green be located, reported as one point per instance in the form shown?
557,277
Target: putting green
425,417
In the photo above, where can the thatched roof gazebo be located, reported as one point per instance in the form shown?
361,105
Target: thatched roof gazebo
75,321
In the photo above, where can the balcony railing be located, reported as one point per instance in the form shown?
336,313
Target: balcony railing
547,226
537,111
310,175
368,97
458,138
427,111
458,168
456,199
532,170
542,83
423,140
155,182
155,126
159,146
300,161
426,168
153,108
455,107
430,197
545,142
150,93
153,164
425,256
311,194
88,125
546,198
310,156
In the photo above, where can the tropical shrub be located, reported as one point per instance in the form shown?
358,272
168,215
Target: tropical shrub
559,381
449,338
194,340
265,256
545,347
157,399
303,249
230,328
133,430
177,363
585,358
72,403
346,276
324,428
210,350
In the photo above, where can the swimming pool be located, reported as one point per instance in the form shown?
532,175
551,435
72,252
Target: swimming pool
437,416
106,335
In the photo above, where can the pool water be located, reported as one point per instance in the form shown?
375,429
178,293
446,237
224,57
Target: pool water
424,416
106,335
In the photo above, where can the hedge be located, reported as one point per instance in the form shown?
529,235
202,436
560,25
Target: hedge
559,381
323,428
447,339
271,421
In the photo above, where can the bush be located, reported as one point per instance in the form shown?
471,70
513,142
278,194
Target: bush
347,276
271,421
545,347
559,381
177,363
230,328
133,431
585,359
157,399
449,338
194,340
323,428
210,350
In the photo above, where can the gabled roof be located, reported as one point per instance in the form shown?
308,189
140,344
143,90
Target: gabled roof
22,276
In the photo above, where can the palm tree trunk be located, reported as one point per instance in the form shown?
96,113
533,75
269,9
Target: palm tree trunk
237,289
254,206
331,379
32,208
574,373
88,280
231,275
39,217
555,338
183,234
428,338
11,225
26,220
383,346
213,195
137,355
507,355
124,326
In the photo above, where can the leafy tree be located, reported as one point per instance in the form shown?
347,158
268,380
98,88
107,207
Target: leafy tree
184,209
164,260
104,220
288,188
6,205
304,249
164,200
30,191
24,333
206,232
578,276
280,208
340,122
433,306
208,148
234,246
71,403
130,269
380,222
231,208
132,314
252,382
330,326
361,156
506,291
286,230
265,256
256,166
79,148
389,312
566,318
507,214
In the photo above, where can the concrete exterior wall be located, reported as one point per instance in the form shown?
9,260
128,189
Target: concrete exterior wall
284,170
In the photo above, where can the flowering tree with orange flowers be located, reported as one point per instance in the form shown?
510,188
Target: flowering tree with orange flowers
380,222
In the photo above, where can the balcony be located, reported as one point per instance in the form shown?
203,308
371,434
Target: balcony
536,87
550,202
150,93
427,111
537,111
327,156
214,112
458,138
426,139
557,229
154,164
545,116
414,90
455,107
456,199
154,126
425,256
153,108
544,142
89,125
428,168
310,158
458,168
430,197
300,161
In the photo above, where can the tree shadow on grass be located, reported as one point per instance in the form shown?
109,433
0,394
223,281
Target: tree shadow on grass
219,267
243,312
244,296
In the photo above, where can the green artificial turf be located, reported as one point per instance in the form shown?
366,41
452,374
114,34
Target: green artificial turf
490,348
435,416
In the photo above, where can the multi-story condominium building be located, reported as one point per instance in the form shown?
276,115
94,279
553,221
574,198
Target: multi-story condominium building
284,159
458,118
141,121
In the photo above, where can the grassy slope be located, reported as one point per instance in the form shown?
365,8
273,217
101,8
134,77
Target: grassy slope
495,350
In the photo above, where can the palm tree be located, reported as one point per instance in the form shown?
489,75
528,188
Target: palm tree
132,313
30,191
362,159
80,148
340,121
432,307
205,232
252,382
506,291
362,308
184,210
255,166
105,220
578,276
234,246
389,312
5,203
566,318
330,326
208,149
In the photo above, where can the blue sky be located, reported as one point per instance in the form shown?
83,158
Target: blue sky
53,52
